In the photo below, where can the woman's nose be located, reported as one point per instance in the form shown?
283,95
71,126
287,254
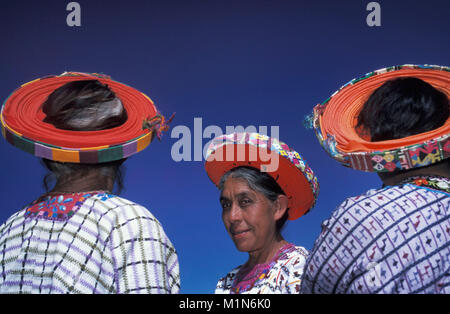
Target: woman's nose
235,213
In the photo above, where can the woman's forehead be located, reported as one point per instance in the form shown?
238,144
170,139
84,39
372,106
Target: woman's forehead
234,187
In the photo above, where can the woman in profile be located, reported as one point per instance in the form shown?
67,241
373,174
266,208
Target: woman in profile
79,237
256,205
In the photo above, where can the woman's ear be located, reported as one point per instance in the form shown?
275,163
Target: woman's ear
281,206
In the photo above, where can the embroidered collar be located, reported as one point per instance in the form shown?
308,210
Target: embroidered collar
432,182
245,281
58,206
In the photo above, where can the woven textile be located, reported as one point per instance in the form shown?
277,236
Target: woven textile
280,276
276,158
106,244
390,240
335,119
23,126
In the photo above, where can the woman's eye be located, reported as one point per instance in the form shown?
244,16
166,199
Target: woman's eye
245,202
225,205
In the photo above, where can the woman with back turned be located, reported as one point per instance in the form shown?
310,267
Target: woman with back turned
79,237
393,239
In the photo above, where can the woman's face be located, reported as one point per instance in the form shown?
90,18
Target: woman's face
248,215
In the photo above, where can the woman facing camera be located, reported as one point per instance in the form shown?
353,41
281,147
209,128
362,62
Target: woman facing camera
263,183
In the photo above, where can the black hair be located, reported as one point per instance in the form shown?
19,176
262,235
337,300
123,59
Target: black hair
81,99
260,182
86,105
402,107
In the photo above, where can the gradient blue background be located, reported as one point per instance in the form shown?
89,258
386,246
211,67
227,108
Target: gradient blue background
228,62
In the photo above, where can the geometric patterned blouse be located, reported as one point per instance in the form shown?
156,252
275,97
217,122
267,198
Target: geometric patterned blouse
391,240
90,242
281,275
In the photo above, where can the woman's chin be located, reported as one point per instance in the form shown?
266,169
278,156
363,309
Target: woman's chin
243,246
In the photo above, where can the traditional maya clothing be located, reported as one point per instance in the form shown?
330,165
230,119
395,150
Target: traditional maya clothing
282,274
88,242
389,240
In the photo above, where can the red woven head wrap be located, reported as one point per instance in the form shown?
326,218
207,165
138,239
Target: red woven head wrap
22,123
270,155
335,119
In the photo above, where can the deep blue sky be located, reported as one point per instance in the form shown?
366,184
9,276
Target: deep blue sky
261,63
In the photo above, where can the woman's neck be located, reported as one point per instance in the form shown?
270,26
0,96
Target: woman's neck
265,254
90,182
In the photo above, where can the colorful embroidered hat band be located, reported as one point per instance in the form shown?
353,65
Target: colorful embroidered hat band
22,123
334,122
270,155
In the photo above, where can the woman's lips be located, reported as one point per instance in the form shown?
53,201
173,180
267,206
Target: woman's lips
240,233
